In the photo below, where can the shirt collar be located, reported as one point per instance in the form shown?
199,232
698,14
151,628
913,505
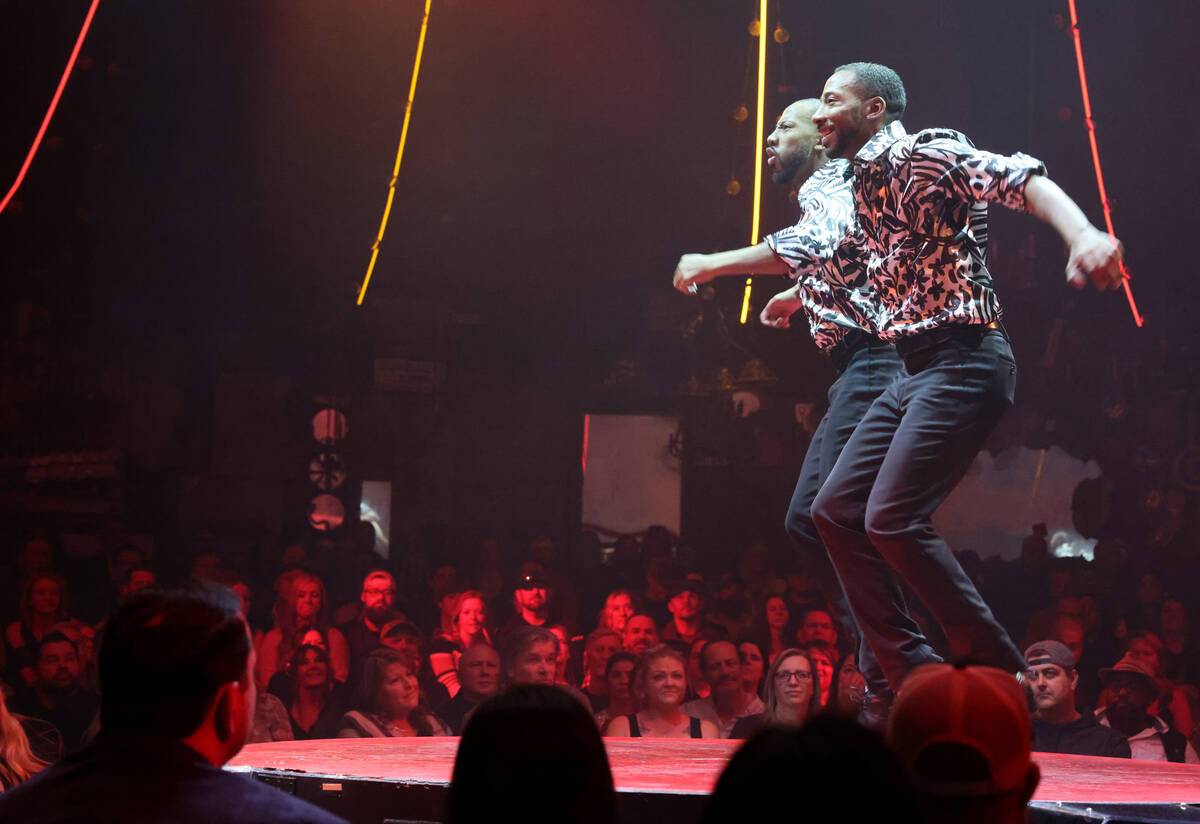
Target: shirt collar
880,141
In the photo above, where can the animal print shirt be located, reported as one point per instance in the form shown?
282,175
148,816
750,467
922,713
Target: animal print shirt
825,255
921,202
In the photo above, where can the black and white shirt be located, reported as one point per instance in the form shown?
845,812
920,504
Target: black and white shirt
921,202
825,256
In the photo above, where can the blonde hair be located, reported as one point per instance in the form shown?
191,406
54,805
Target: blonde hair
17,761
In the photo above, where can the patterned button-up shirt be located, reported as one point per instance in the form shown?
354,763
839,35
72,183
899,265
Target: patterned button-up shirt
824,255
921,202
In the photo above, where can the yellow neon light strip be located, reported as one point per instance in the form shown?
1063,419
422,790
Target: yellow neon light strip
758,140
387,209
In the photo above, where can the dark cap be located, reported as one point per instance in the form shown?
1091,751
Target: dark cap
688,585
1135,666
531,576
1049,652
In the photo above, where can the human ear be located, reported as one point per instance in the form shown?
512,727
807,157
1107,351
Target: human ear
876,107
222,714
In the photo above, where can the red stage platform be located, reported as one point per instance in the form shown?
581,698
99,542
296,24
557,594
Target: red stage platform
339,775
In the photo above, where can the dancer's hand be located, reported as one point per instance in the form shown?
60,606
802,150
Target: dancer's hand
779,309
691,271
1096,255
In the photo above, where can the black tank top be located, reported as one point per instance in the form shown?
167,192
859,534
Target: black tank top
636,732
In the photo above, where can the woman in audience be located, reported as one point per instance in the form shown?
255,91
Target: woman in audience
619,607
389,701
618,673
600,646
791,694
824,658
468,627
771,629
660,684
847,690
313,700
300,605
17,761
43,604
752,667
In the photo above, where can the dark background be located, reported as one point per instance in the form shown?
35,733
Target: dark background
182,261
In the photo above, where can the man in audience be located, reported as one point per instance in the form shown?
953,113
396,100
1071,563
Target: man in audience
963,734
1134,687
640,634
479,679
686,605
531,601
728,700
58,695
378,599
1058,726
816,624
177,674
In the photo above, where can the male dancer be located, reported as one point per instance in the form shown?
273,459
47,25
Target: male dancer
821,254
921,204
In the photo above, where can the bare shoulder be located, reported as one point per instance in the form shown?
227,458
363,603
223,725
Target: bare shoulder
709,730
618,727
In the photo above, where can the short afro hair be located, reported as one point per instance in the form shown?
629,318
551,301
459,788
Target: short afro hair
876,80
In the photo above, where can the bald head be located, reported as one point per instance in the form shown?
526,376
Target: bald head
794,148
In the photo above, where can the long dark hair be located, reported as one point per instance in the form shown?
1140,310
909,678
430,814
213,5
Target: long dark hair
370,685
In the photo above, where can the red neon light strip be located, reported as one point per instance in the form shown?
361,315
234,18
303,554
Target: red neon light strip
587,422
62,84
1091,126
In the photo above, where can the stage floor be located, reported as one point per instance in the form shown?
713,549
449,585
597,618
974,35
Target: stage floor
686,767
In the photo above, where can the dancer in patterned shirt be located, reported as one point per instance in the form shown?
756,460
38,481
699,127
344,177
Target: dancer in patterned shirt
921,205
822,254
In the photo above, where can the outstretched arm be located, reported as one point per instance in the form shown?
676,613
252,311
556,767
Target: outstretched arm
693,269
1092,253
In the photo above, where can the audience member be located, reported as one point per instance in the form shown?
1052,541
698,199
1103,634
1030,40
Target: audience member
530,656
1057,725
531,602
313,697
17,761
963,734
1180,652
772,629
57,694
600,645
619,607
378,599
730,608
848,688
618,673
829,769
532,754
659,685
824,657
468,625
686,605
728,700
300,604
816,624
388,703
177,675
752,667
564,652
43,604
1134,687
404,637
791,694
1169,704
444,588
641,633
479,679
